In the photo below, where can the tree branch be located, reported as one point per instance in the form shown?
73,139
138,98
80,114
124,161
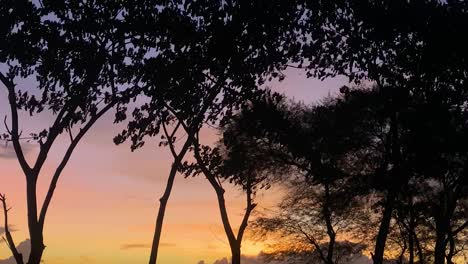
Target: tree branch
170,138
10,86
250,207
9,239
66,158
460,228
219,193
314,243
61,121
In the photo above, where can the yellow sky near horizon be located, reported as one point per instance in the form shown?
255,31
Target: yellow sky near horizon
106,201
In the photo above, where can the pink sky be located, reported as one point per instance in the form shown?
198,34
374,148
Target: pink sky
105,205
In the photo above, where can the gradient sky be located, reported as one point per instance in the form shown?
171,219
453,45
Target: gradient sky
105,205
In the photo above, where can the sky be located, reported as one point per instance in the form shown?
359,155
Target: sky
105,204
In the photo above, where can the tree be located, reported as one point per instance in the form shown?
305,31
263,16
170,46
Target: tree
356,145
321,145
233,164
301,225
51,44
220,53
421,50
443,167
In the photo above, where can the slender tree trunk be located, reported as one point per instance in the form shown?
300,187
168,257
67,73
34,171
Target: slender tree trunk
392,191
411,248
331,248
412,226
442,224
233,243
167,193
328,220
35,230
383,229
162,210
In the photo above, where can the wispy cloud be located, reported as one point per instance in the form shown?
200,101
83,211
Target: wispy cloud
8,152
139,246
12,229
87,259
134,246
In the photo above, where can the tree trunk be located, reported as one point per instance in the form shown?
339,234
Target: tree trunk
442,225
328,220
233,243
37,248
392,191
384,228
35,230
411,249
412,226
161,213
439,251
236,253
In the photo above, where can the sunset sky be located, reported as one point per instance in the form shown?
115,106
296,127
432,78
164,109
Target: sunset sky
105,205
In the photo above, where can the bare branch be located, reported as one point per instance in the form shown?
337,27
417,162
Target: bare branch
70,134
6,125
9,239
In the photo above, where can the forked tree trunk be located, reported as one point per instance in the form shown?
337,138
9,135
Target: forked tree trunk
235,242
451,252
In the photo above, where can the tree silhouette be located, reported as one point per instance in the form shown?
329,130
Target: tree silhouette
401,144
216,165
51,45
320,144
221,54
359,145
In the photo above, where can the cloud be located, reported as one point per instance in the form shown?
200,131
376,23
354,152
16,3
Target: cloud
134,246
87,259
257,260
221,261
8,152
12,229
167,244
140,246
23,248
244,260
